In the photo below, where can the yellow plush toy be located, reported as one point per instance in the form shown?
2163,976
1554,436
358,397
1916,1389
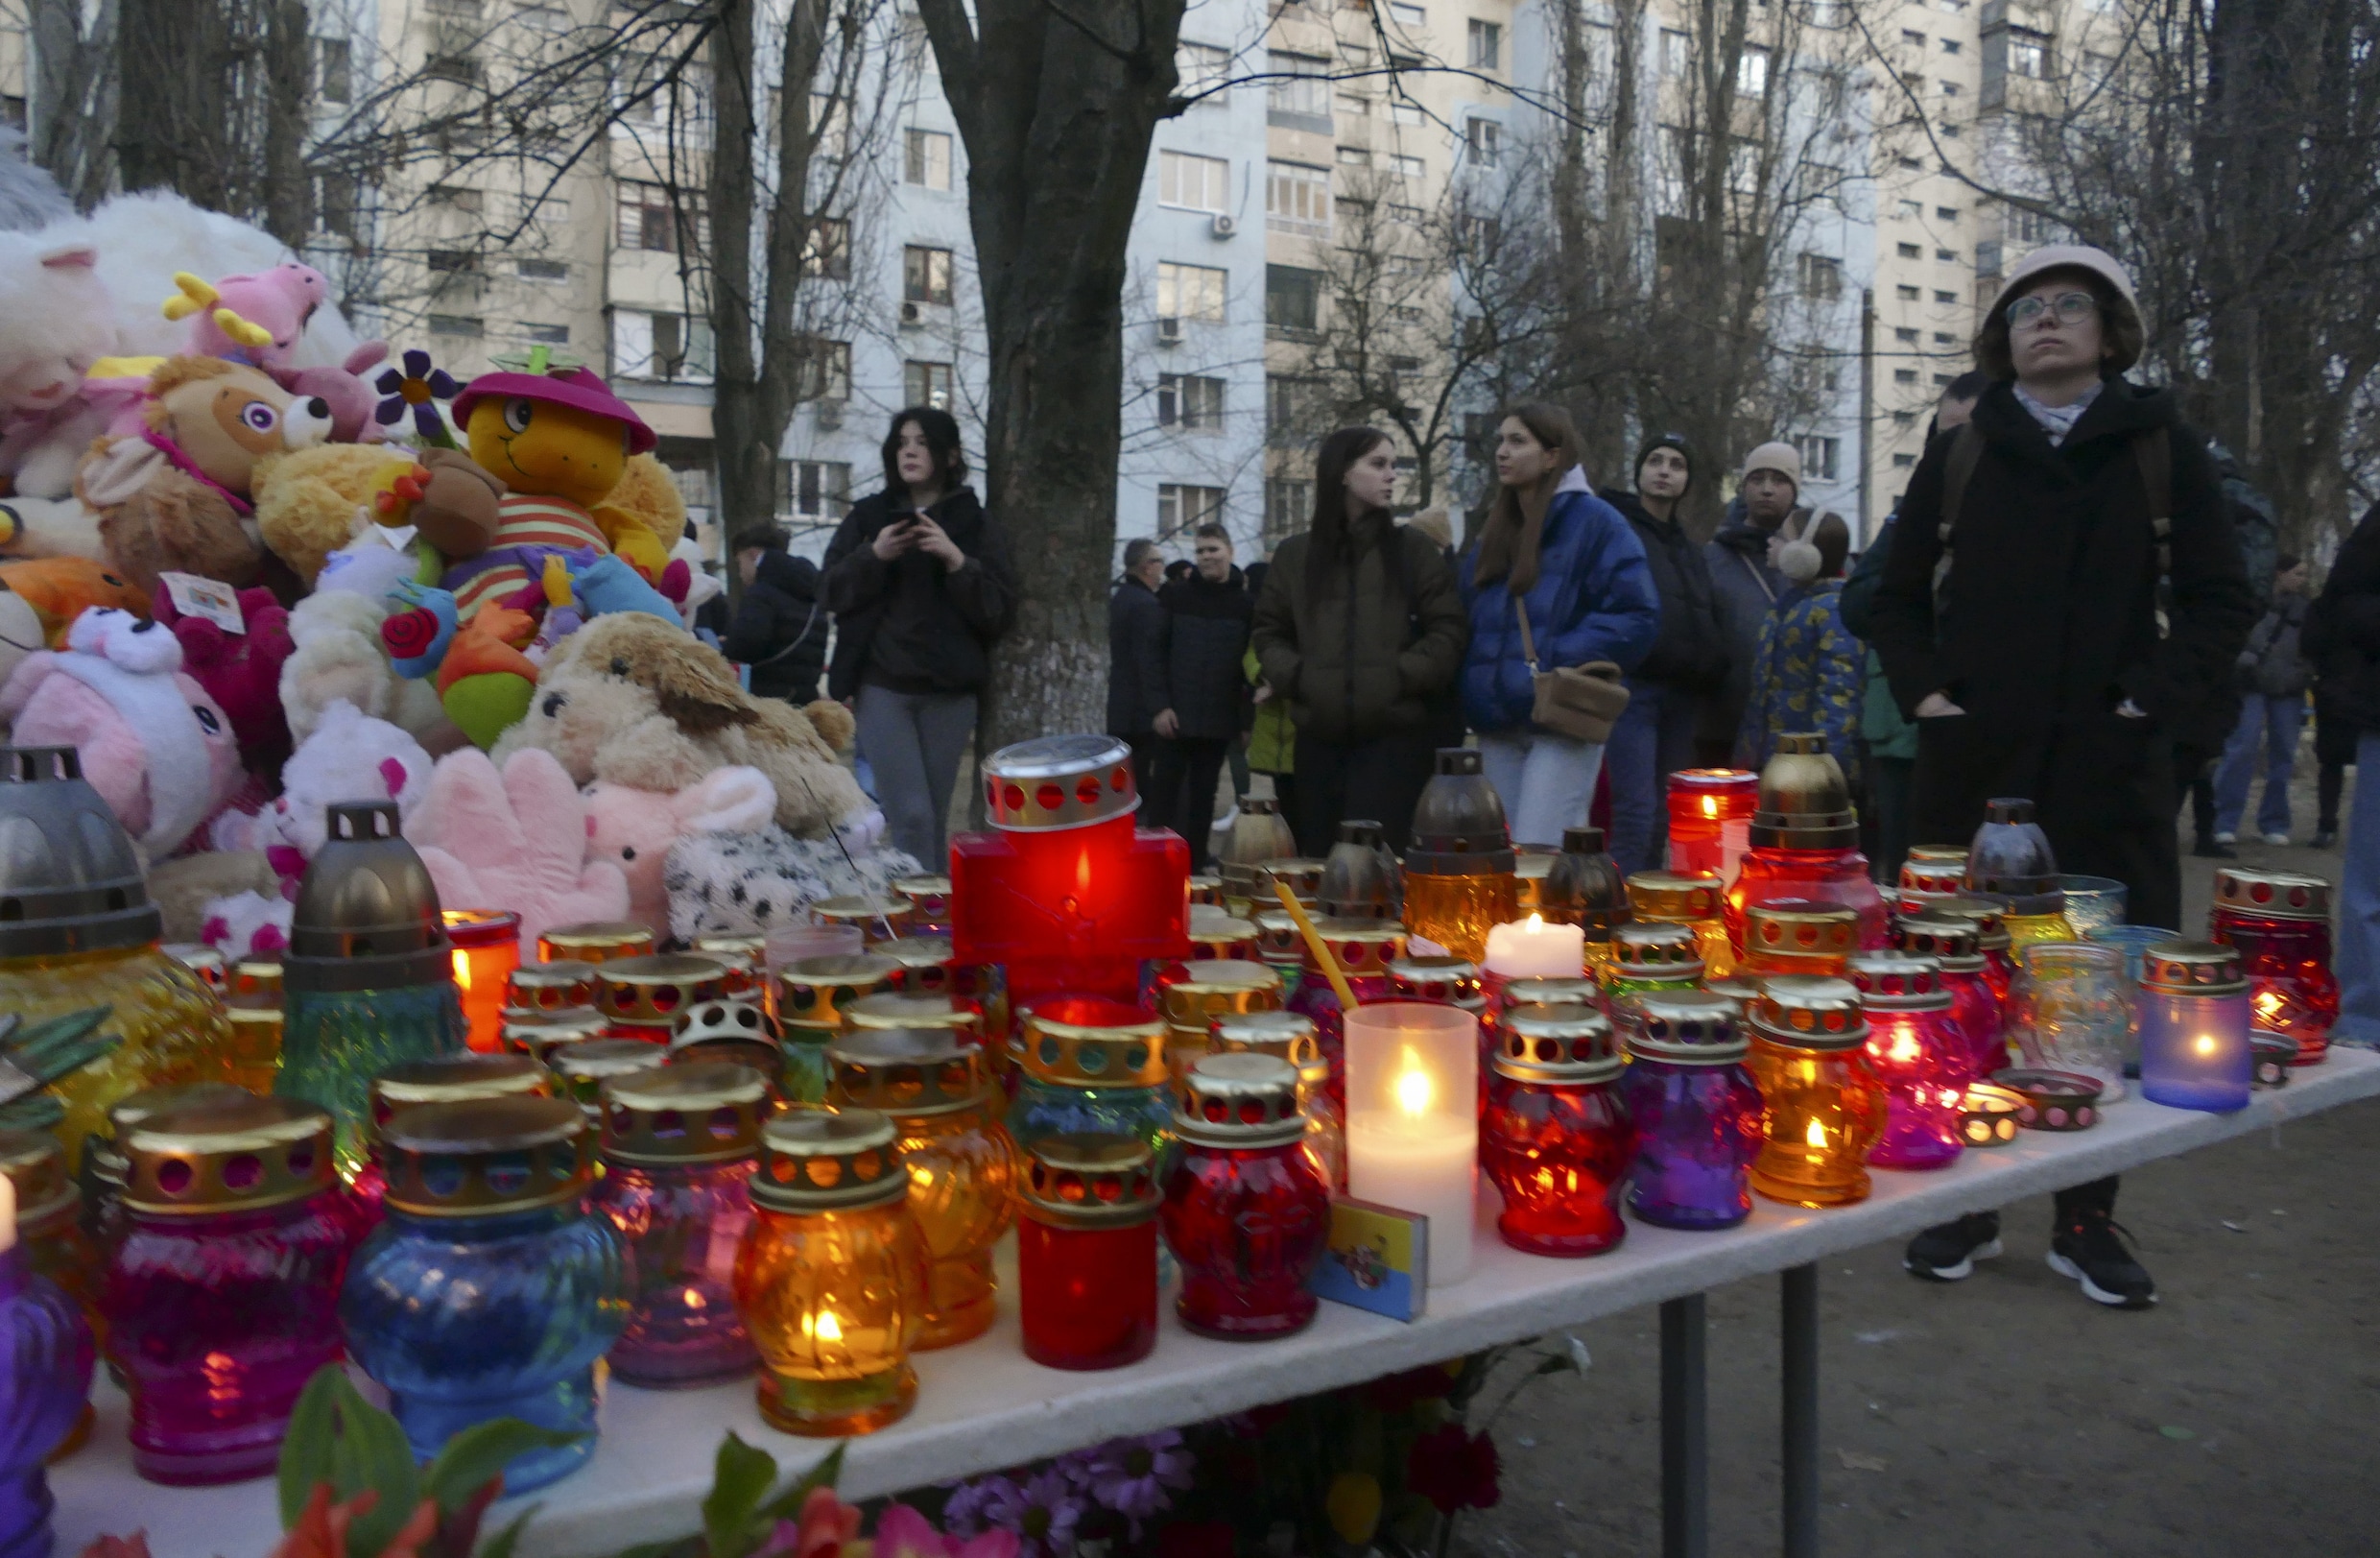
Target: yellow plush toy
561,443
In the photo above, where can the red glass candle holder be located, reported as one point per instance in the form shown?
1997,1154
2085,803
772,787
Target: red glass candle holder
2281,922
1919,1052
1087,1250
1991,940
1805,841
487,945
1247,1213
1556,1139
1975,1005
1710,819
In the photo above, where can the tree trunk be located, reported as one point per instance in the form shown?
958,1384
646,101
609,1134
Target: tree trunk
1057,123
288,192
172,129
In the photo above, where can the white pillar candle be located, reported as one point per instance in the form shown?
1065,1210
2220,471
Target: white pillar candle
1531,948
1412,1121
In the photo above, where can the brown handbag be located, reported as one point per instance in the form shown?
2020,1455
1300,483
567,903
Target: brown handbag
1581,703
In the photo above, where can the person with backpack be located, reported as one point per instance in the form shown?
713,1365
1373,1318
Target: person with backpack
1810,672
1136,626
2273,678
780,629
1745,582
2065,585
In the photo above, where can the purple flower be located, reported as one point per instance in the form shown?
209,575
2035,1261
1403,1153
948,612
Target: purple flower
1042,1513
417,385
963,1511
1131,1476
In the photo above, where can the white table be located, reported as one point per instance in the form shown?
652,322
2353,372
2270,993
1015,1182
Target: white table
984,1407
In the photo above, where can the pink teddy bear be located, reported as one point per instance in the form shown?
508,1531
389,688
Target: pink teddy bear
158,749
633,829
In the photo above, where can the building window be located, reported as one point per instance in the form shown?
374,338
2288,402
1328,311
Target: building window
1183,508
650,220
1201,67
925,274
2029,227
1354,106
1191,404
1193,183
1405,111
1943,338
456,324
1904,375
1408,167
1915,39
927,161
453,262
1285,402
457,198
458,69
1819,457
1950,89
825,369
1298,197
334,70
1190,291
2028,55
1751,72
1945,213
1905,334
551,335
1902,462
813,489
671,347
1908,251
1408,15
1822,276
1486,45
542,270
1904,418
828,252
1293,298
1299,90
1946,257
926,384
1908,294
1911,210
1950,45
1482,139
1288,507
1355,157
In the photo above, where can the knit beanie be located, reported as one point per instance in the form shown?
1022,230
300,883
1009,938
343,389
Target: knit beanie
1783,458
1663,441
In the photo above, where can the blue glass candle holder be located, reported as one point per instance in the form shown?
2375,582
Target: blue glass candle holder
489,1291
46,1356
2195,1049
2094,903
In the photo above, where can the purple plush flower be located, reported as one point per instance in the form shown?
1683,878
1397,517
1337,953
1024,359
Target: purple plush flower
1131,1476
417,385
1042,1513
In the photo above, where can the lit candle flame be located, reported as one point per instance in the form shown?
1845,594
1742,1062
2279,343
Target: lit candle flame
822,1326
463,969
1413,1090
1710,805
1816,1134
2268,1003
1537,922
2204,1043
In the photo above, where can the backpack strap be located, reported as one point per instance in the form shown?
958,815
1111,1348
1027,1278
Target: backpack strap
1966,450
2154,452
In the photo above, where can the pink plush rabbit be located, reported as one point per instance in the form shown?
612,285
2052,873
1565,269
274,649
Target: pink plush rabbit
515,840
633,829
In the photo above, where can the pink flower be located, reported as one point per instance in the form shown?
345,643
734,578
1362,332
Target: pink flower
825,1524
904,1533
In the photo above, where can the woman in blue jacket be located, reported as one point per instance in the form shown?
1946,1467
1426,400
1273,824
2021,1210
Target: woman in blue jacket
1552,543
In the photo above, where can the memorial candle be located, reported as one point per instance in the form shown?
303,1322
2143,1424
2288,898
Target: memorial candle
1412,1121
1534,949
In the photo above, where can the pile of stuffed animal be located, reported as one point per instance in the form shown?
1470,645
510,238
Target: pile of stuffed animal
247,581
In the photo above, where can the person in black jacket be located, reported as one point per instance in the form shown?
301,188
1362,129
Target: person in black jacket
918,577
2049,643
1202,689
2342,637
1655,736
1136,622
780,630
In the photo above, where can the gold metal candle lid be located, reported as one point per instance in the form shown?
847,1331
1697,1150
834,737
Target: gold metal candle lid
906,1072
451,1078
70,880
2192,969
1458,823
1085,1042
1674,896
1059,781
597,941
702,1111
1899,982
2277,894
256,980
237,1155
881,917
567,986
1277,937
1947,939
135,1109
746,958
928,894
1804,801
1215,987
1362,947
829,1160
1216,934
1682,1028
201,960
1285,1036
1955,852
1090,1181
1989,920
1934,878
893,1009
1239,1100
818,992
469,928
1551,991
1359,875
926,963
1206,888
1809,1012
1656,949
367,915
487,1156
1792,928
584,1067
1557,1045
737,1031
36,1164
1301,874
1446,981
539,1037
650,992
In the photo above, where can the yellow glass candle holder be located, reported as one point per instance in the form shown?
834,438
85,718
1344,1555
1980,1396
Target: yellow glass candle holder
1824,1106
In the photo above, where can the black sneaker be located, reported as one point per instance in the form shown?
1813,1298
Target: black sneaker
1947,1251
2325,838
2092,1249
2207,849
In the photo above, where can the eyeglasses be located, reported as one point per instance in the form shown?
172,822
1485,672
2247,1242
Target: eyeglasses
2072,308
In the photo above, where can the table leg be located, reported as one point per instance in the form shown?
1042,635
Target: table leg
1799,1291
1685,1442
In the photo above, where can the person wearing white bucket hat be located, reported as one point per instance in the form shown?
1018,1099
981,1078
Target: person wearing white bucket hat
2064,591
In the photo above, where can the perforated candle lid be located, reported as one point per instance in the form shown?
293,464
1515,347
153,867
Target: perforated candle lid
650,992
1795,928
739,1031
70,880
201,960
35,1162
1948,939
1239,1100
1364,947
1899,982
1085,1041
898,1009
926,961
453,1078
1674,897
2192,969
486,1157
1806,803
1215,933
1552,991
881,917
1683,1028
829,1160
1557,1045
1223,987
906,1072
595,941
1934,878
240,1153
818,992
1058,781
928,893
1989,920
1656,949
1285,1036
1810,1012
1449,981
2277,894
584,1067
1458,825
1090,1181
702,1111
567,986
540,1036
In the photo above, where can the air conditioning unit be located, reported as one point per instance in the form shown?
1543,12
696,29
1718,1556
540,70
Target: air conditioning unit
1225,225
1169,330
829,414
913,313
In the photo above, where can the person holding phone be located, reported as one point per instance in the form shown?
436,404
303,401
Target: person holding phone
919,579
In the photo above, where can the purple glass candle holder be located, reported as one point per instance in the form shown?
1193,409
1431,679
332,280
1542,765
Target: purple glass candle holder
46,1354
1694,1107
223,1297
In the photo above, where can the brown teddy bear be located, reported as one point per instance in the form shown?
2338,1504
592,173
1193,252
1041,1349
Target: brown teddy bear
175,497
311,502
632,700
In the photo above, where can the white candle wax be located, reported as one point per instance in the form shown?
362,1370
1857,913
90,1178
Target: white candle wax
1531,948
7,1214
1426,1163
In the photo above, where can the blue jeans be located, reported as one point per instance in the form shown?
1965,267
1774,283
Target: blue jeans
1653,739
2273,723
2357,957
1545,782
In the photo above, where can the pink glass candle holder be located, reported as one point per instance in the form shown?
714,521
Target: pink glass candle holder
1917,1051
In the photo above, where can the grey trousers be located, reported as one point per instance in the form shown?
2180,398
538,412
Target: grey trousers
913,741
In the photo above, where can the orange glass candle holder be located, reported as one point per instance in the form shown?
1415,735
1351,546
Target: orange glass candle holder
1824,1106
831,1274
1460,873
1696,902
487,944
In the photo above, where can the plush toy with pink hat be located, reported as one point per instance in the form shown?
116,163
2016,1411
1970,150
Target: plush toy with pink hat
158,749
515,839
